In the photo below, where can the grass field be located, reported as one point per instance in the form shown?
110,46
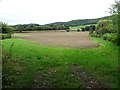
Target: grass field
81,26
28,64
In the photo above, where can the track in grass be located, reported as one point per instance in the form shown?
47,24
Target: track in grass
60,39
88,80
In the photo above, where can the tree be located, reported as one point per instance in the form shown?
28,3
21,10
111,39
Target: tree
19,28
108,29
92,29
115,11
6,28
115,8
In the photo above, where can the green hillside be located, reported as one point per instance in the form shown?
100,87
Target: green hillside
79,22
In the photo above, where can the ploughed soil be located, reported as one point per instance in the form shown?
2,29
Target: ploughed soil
59,39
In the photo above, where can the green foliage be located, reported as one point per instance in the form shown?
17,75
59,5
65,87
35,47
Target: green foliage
115,11
77,27
115,8
78,22
6,28
19,28
94,34
90,28
113,37
104,26
108,29
83,29
33,27
91,32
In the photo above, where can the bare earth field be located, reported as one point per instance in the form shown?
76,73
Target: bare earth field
59,39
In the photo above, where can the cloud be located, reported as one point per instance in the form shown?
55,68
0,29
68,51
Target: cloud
47,11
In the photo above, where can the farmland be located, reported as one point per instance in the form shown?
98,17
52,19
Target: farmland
60,39
32,63
80,26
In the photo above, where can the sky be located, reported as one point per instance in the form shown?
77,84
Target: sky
48,11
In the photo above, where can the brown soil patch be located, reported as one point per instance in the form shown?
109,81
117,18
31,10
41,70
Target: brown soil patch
60,39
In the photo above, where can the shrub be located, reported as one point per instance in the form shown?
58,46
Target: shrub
91,31
78,30
83,29
104,26
93,34
68,30
102,31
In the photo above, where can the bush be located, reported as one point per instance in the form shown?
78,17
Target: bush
78,30
104,26
91,31
68,30
83,29
102,31
93,34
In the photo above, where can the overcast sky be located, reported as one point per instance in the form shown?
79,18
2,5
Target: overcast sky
48,11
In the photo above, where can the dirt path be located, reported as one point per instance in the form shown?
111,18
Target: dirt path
88,80
46,79
60,39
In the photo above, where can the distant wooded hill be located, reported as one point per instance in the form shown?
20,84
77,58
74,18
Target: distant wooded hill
56,25
78,22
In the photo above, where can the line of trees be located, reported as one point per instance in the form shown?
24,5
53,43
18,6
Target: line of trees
34,27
